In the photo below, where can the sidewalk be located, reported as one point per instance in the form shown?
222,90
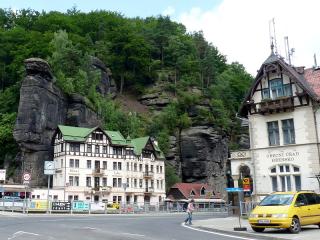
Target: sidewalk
226,225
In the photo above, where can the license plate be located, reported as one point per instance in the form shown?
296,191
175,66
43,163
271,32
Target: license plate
266,221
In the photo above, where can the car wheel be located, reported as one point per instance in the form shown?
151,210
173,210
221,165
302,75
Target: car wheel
295,226
257,229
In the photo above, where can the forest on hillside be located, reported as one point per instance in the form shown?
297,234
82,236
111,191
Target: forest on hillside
139,52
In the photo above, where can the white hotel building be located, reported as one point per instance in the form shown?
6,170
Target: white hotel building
283,115
97,165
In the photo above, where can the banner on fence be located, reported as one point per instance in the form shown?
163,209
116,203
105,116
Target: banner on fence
80,206
38,205
97,206
61,206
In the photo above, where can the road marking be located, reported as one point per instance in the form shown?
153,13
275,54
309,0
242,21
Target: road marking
19,233
216,233
133,234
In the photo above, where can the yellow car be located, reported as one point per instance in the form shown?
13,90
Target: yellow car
289,210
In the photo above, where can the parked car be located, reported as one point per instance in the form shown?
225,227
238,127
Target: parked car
289,210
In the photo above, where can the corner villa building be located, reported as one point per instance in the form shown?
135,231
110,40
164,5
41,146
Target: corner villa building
283,115
96,165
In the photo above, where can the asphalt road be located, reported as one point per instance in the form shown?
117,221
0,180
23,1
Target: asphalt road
94,227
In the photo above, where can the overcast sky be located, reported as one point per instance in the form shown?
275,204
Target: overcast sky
239,28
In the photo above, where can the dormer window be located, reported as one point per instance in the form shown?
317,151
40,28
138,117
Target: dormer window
277,89
192,193
203,191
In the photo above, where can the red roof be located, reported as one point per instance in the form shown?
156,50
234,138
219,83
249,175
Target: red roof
187,188
312,77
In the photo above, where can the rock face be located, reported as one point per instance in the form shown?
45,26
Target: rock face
42,107
203,156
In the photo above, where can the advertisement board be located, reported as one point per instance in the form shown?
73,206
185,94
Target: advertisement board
61,206
80,206
38,205
97,207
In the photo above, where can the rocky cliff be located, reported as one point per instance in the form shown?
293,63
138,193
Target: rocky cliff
199,153
42,107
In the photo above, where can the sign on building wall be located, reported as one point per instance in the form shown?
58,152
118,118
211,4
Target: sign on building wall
283,156
2,174
80,206
61,206
240,155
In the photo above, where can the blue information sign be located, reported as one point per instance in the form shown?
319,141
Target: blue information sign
234,189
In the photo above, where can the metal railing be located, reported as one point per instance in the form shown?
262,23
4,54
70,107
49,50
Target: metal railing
73,207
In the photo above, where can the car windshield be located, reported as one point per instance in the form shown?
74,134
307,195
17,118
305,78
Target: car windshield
277,200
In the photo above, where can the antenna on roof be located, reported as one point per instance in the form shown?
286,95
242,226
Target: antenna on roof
272,33
315,61
289,52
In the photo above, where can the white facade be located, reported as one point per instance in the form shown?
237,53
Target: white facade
283,119
97,169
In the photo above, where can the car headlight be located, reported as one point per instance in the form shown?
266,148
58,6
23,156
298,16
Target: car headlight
280,215
253,215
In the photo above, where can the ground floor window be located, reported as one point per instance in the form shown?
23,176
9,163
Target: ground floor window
285,178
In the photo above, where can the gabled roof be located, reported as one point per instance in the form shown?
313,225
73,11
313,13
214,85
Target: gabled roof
308,80
187,188
116,137
76,134
79,134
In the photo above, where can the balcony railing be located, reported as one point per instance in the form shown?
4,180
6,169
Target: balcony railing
148,174
148,190
268,106
98,171
102,189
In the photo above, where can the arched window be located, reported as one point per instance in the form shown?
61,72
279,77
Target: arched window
285,177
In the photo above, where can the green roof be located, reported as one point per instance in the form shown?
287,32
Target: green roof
116,137
139,144
76,134
79,134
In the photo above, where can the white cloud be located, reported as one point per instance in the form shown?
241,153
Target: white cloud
168,11
240,29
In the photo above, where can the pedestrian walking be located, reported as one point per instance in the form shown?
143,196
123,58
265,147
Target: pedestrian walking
189,211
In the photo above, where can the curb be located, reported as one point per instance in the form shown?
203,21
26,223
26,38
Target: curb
242,234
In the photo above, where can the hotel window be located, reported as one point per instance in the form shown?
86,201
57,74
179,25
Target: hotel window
160,169
62,147
114,182
157,169
89,148
76,181
119,166
119,182
76,163
288,131
97,149
140,167
71,163
89,164
114,165
74,147
104,164
273,133
104,182
128,167
135,183
104,149
88,181
158,184
135,167
285,178
128,185
151,168
70,180
140,183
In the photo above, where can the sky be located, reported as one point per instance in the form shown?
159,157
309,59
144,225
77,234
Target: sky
238,28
